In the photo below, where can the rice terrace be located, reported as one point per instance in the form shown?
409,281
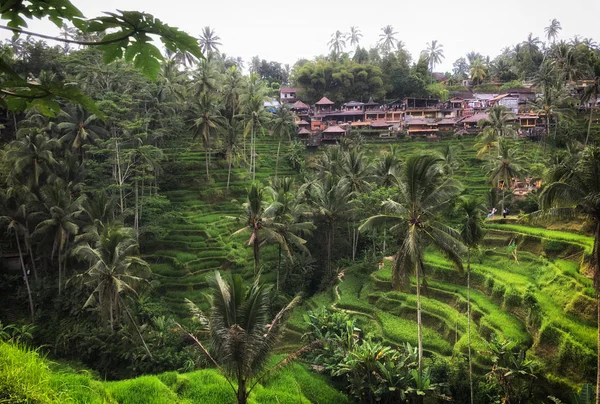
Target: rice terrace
370,224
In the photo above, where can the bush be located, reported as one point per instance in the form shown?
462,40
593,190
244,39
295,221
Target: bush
554,246
498,291
512,298
489,283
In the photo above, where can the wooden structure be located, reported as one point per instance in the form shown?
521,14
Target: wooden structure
421,127
287,95
324,105
333,133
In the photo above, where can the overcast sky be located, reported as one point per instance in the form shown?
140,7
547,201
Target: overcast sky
285,31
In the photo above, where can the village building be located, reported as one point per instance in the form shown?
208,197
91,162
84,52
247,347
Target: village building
421,127
287,95
333,133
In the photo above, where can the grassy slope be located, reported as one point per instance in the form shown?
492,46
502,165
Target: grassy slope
26,377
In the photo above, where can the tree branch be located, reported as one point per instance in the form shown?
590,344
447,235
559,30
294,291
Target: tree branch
73,41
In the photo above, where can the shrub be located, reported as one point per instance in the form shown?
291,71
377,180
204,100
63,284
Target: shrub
554,246
512,298
498,291
489,283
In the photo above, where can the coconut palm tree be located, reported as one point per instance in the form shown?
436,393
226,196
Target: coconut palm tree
337,43
59,219
206,77
354,36
471,211
552,30
13,219
282,125
552,105
207,122
532,44
79,127
231,144
32,156
451,161
356,169
576,195
499,119
259,218
114,269
233,86
505,167
387,38
590,95
330,200
477,71
423,192
209,41
254,113
387,168
435,54
486,141
243,334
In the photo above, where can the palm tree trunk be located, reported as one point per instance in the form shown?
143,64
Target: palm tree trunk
419,321
278,267
229,174
256,250
277,158
136,215
596,263
25,278
206,163
503,190
30,250
120,179
241,392
589,126
469,320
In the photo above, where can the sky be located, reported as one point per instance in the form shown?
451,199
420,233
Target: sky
285,31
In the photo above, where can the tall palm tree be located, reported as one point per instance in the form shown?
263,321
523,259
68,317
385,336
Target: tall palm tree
499,120
254,113
330,199
505,167
486,141
259,218
387,38
590,95
282,125
471,211
387,169
337,43
354,36
243,334
231,144
13,219
60,221
552,104
532,44
31,156
451,161
356,170
207,122
113,270
435,54
209,41
233,86
552,30
576,195
206,77
423,192
80,127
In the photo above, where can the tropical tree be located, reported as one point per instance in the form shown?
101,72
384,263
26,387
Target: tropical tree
505,167
206,77
552,30
387,168
243,334
114,269
477,71
423,192
552,105
532,44
209,41
80,127
451,161
499,119
590,95
354,36
337,43
486,141
32,156
231,144
387,38
283,124
60,221
330,199
576,194
254,113
471,211
207,122
233,85
435,54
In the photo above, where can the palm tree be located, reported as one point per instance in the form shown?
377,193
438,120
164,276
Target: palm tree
552,104
477,71
242,333
356,170
80,127
435,54
387,39
282,125
472,232
231,135
354,35
337,42
451,161
532,44
499,119
552,30
423,192
330,200
259,216
113,263
232,89
59,219
209,41
13,208
505,167
486,141
387,168
206,77
590,95
207,122
576,195
254,113
31,156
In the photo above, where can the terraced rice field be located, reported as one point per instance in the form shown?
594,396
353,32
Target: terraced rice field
543,301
